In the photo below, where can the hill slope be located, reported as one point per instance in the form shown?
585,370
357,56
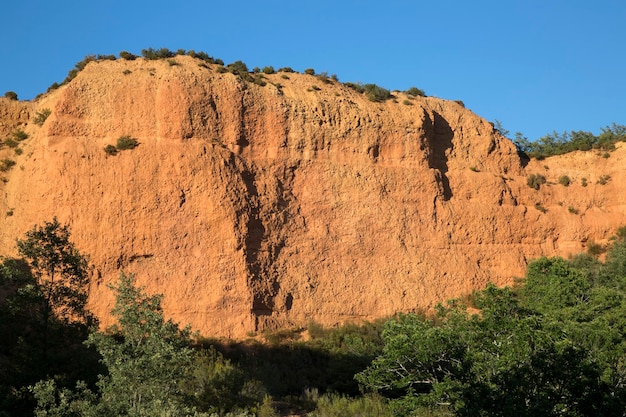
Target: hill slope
254,206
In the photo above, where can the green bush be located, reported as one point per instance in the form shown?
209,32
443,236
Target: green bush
560,143
126,142
11,95
237,68
268,70
110,150
376,93
154,54
564,180
535,181
53,87
583,182
407,102
127,56
323,77
86,60
41,116
6,164
11,143
78,67
309,71
604,179
285,69
414,91
358,87
258,80
203,56
595,249
572,210
19,135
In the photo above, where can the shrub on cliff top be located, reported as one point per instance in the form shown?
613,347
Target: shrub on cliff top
127,56
358,87
153,54
376,93
414,91
11,95
237,68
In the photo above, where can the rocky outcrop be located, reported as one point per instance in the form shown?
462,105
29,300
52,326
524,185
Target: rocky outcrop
252,206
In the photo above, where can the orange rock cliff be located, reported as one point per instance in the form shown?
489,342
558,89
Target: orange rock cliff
253,207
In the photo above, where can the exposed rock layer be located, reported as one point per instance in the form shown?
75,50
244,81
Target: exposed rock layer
251,207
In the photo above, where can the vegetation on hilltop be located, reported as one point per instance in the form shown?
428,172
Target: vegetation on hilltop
372,91
561,143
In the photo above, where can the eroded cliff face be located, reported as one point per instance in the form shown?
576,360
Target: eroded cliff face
251,207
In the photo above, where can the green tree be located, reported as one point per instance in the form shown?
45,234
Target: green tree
507,360
147,357
43,320
61,275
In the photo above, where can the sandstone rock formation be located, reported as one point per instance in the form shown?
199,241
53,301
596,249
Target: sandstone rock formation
251,207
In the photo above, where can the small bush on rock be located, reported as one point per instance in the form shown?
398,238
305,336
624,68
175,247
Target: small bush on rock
126,142
41,117
19,135
564,180
110,150
6,164
535,181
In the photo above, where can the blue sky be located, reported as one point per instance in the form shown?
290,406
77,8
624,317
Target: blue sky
534,65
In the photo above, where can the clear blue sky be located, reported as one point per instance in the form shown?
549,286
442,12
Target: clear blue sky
534,65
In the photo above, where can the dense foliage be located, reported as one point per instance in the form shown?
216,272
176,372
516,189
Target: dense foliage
553,346
560,143
43,320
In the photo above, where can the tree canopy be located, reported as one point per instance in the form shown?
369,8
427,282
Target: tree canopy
552,346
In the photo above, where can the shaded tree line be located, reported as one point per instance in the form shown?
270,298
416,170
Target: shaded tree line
552,345
560,143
